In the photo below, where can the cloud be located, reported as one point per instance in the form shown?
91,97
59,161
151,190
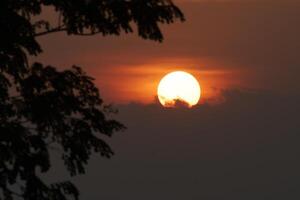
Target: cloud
244,148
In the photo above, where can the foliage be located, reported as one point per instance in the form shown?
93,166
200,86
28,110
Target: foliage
42,107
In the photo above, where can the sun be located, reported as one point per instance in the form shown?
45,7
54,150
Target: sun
178,88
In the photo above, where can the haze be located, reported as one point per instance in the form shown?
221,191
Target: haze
241,142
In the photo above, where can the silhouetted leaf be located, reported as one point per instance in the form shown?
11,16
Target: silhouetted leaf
41,106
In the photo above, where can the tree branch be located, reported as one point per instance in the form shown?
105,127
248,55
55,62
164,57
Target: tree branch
61,29
54,30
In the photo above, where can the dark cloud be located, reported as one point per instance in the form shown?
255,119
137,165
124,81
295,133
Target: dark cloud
244,148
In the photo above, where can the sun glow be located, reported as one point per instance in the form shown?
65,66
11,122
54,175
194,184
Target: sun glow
178,88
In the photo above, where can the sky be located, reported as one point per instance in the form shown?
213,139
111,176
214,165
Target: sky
240,142
245,148
246,44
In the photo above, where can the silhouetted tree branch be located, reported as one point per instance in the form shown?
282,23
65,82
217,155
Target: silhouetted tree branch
56,30
41,106
53,30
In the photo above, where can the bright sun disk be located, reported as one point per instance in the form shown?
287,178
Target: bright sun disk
178,87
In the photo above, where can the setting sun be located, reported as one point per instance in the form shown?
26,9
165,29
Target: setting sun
178,87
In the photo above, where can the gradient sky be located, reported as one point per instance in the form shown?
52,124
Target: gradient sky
243,52
249,44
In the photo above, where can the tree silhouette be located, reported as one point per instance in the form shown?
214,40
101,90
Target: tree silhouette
41,107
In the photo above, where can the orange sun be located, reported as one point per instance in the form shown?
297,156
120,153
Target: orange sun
178,87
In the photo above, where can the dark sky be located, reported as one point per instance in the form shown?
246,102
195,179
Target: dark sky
245,148
245,53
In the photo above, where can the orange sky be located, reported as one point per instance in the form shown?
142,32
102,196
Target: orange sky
224,44
139,82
